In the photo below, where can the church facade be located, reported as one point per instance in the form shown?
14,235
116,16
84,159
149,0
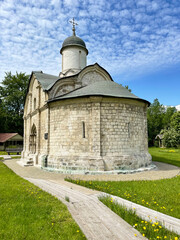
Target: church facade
82,120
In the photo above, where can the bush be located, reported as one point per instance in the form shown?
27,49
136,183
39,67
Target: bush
171,138
156,143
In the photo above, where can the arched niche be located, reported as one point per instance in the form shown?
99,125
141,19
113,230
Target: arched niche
93,74
62,87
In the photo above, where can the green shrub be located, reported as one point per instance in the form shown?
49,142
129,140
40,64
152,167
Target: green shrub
171,138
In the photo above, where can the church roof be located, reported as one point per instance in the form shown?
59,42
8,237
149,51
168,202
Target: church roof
45,79
76,74
73,41
103,88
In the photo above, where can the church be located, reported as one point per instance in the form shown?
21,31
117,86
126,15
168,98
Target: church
82,120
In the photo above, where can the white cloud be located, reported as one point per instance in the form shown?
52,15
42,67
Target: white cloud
125,28
56,3
124,37
71,3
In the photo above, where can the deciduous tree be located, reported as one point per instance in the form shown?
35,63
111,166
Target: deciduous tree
12,95
155,115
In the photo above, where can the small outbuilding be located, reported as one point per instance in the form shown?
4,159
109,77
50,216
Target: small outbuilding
159,139
11,142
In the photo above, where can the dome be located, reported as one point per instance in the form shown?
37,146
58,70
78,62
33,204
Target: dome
73,41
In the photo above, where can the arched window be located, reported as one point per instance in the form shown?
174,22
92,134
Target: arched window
32,140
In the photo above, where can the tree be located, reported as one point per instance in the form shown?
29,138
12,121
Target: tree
155,114
167,116
2,118
175,121
12,95
127,87
171,136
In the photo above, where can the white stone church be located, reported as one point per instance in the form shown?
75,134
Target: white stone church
82,120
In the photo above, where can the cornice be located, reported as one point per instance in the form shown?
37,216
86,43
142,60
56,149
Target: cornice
38,110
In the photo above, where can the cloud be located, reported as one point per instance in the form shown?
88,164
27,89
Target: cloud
126,37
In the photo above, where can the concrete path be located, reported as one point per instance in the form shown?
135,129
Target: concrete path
8,157
96,220
163,171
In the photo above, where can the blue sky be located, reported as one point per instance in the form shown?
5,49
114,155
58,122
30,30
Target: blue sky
136,41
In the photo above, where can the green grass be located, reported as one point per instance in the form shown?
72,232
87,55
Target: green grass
166,155
5,153
16,157
27,212
148,229
160,195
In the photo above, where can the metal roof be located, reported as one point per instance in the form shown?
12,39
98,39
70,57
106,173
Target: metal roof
73,41
45,79
6,136
103,88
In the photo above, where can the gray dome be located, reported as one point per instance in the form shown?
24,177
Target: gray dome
73,41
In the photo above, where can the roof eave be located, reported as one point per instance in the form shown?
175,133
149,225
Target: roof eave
98,95
74,45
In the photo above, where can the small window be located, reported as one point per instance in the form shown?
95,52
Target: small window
83,130
34,103
80,59
129,129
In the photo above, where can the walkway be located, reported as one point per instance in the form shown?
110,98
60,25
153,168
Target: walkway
96,220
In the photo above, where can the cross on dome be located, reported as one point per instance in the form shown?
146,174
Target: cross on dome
73,28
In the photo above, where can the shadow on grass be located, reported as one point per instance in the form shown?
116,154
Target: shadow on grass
165,160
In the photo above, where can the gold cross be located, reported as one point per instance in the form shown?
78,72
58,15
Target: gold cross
73,24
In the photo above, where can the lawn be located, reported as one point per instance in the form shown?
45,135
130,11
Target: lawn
166,155
27,212
149,229
160,195
5,153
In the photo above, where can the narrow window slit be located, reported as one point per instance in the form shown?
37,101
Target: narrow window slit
129,129
83,130
34,103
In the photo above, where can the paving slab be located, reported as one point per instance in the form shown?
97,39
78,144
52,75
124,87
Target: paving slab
95,219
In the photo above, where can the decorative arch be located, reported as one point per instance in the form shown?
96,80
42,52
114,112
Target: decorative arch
62,87
32,140
92,74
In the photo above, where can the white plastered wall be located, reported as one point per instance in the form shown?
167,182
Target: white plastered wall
73,58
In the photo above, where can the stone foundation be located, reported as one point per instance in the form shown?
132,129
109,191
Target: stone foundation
124,162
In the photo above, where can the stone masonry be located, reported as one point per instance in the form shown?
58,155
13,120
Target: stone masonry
115,134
